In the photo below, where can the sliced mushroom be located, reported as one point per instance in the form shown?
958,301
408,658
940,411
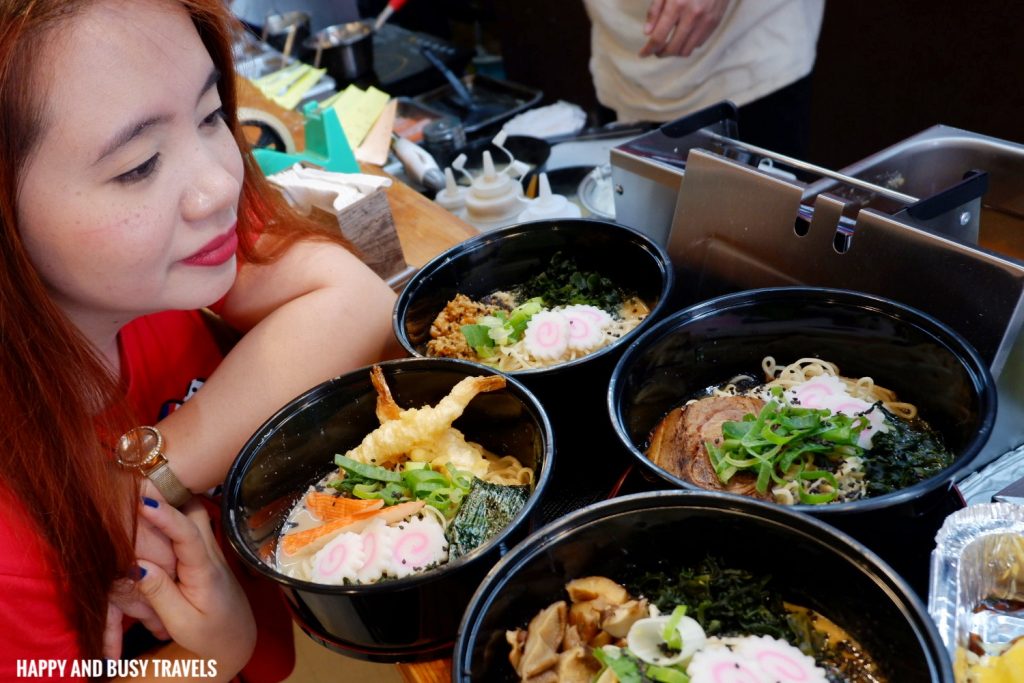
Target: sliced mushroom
586,617
575,666
590,587
543,638
618,619
601,639
571,638
516,639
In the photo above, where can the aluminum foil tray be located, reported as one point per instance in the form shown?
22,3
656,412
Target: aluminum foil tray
979,554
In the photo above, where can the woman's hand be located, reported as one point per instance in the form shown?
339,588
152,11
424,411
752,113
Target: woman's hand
675,28
124,600
204,609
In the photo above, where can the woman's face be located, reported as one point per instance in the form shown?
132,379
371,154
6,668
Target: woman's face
128,204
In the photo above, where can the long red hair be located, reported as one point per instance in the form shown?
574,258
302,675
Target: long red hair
56,396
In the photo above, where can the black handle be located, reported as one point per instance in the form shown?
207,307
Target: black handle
716,113
460,88
973,185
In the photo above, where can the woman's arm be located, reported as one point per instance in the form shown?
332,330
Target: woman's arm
313,314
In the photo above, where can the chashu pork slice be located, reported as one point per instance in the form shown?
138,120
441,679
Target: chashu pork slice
677,443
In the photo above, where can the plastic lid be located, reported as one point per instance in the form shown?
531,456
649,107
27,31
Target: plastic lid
491,184
548,205
451,197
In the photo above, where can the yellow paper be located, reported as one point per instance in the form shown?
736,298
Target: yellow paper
277,82
298,90
287,86
358,110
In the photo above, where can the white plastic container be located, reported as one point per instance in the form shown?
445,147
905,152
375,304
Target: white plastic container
548,205
495,199
452,196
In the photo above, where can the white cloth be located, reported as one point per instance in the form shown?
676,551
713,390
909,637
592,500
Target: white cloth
759,47
560,118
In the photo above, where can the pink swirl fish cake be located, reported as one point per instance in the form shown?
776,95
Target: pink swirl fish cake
418,543
752,659
339,561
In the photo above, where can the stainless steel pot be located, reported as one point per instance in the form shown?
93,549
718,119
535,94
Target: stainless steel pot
345,50
286,31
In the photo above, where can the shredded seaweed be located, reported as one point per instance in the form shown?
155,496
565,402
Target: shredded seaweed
486,510
909,452
564,283
735,602
724,601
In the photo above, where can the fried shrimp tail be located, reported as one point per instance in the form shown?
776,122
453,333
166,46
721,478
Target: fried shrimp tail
387,409
396,437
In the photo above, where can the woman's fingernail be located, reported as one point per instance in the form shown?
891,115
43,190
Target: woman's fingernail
137,573
149,502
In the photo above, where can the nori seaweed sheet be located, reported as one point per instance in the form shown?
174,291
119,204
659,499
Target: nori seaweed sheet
486,510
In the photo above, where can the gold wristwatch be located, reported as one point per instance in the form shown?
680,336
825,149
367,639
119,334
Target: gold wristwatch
142,449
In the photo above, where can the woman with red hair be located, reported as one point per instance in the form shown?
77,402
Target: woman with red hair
128,204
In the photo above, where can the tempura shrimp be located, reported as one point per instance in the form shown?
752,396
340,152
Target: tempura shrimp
387,409
396,437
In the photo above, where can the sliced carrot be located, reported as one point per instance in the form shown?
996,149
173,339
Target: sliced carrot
296,541
328,507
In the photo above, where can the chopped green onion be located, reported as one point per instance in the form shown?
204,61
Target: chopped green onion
818,498
479,339
364,470
625,669
781,441
666,674
670,634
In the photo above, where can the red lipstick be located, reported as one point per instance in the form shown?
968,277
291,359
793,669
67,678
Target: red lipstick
217,251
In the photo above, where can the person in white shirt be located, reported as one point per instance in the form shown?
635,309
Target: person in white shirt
662,60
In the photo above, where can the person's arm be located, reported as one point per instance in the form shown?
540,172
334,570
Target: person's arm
675,28
204,610
315,313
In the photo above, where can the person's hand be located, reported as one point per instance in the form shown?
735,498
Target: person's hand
204,610
675,28
151,545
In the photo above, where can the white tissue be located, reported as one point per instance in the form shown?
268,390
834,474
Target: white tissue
306,188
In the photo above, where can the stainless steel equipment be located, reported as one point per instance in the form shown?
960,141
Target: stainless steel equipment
345,50
936,222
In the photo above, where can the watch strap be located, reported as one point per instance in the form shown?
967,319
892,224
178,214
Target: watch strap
170,487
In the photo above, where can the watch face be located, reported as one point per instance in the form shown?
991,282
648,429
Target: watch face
138,447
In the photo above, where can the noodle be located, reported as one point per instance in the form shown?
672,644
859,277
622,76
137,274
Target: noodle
863,388
447,339
506,470
850,474
515,357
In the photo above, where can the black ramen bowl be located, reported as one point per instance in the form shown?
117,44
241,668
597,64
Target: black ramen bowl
406,619
810,563
903,349
572,392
